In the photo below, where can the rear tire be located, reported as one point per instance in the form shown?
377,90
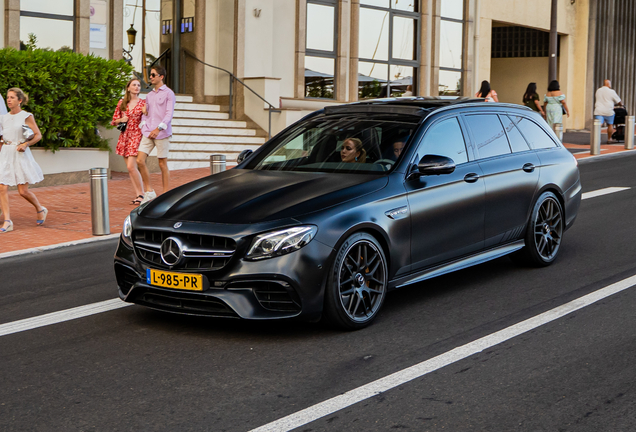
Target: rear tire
543,234
357,283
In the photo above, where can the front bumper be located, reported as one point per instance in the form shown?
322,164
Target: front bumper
282,287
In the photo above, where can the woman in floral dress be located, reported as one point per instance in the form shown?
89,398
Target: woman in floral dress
129,111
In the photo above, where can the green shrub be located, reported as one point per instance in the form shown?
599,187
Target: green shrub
69,93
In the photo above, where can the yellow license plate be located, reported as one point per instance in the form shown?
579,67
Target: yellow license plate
184,281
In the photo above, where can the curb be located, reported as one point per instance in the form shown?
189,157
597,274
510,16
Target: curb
58,246
591,159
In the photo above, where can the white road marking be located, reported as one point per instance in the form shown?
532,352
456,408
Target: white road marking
61,316
604,191
389,382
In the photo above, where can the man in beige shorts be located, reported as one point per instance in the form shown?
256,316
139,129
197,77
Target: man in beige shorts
156,128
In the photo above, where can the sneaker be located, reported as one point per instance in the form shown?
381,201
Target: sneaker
149,196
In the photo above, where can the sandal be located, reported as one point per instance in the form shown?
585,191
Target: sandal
41,221
137,200
7,229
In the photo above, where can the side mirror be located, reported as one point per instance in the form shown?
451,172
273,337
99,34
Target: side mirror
243,155
435,165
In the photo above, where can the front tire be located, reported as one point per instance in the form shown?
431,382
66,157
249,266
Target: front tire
544,232
357,283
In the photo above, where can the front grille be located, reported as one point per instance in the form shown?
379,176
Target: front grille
202,252
185,303
126,277
272,295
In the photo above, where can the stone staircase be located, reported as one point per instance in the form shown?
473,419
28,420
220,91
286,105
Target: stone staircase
201,130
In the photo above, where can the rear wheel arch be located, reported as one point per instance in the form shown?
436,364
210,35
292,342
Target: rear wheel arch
556,191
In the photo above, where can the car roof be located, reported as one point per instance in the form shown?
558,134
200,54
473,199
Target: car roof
421,106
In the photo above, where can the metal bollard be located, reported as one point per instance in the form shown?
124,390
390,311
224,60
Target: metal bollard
558,130
217,163
99,201
595,138
629,132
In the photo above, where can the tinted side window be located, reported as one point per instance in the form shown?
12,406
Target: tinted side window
517,142
445,139
537,138
490,138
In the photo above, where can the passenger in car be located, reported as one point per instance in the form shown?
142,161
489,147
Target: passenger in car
352,151
398,146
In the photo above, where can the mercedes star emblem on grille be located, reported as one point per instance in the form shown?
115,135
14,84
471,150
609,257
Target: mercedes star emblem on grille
171,251
177,225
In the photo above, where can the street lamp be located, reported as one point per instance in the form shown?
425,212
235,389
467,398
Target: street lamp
132,35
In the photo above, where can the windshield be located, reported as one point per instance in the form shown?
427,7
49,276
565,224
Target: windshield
354,144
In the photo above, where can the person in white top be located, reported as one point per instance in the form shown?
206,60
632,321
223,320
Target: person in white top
606,98
17,166
486,92
3,107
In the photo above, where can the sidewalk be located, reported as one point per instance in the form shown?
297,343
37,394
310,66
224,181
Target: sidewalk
69,206
579,144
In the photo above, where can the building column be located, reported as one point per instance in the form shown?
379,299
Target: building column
342,50
83,26
426,49
435,48
116,29
12,24
238,110
301,43
470,56
354,35
590,84
199,51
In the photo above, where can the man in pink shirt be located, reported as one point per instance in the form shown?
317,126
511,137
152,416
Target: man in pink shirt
156,128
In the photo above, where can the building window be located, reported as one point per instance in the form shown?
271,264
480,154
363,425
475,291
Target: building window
451,29
52,23
320,49
520,42
387,48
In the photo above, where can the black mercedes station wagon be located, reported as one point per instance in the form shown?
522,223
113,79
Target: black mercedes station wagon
349,203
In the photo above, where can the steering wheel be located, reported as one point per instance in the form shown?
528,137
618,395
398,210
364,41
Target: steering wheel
386,163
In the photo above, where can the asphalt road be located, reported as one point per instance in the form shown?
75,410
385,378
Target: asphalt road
137,369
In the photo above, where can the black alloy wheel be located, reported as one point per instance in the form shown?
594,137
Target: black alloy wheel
544,232
357,283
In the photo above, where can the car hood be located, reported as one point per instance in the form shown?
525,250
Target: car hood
247,196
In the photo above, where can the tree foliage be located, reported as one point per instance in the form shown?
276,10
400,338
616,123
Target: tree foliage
69,93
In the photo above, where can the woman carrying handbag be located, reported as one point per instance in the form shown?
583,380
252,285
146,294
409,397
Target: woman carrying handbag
17,166
126,119
554,105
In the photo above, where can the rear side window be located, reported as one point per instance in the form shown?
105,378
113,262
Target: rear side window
445,139
489,135
517,142
537,138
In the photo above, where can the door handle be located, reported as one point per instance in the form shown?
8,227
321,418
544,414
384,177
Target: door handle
471,177
528,167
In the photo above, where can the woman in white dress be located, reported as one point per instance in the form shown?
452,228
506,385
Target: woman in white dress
17,166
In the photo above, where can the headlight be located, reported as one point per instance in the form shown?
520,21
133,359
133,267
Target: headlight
277,243
126,232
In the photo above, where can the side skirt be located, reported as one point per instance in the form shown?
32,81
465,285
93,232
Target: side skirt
463,263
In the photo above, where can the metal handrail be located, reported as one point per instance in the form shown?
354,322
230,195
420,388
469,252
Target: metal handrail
271,108
140,76
158,58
